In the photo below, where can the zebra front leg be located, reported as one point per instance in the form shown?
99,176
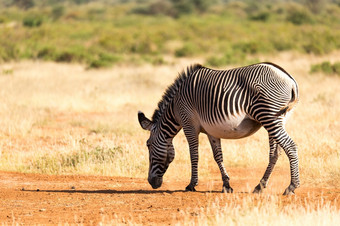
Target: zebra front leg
273,156
192,138
218,156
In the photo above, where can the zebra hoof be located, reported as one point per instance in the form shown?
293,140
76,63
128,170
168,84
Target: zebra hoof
227,190
190,188
289,190
258,189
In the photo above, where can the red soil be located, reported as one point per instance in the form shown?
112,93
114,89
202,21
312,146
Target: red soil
46,199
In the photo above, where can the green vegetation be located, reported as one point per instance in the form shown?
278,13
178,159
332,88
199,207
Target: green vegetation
326,67
100,34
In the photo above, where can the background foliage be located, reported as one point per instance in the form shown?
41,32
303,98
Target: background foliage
102,33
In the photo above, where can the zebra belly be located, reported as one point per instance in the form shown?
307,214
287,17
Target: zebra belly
234,128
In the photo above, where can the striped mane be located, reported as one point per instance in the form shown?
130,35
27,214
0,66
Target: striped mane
172,90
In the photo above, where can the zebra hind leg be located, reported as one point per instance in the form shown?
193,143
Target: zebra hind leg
218,156
281,137
274,154
290,149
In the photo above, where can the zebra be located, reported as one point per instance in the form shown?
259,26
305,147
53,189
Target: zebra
227,104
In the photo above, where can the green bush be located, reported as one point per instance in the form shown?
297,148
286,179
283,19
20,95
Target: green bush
47,53
260,16
32,20
159,7
326,67
336,68
2,19
299,15
314,47
103,60
188,49
250,47
57,12
9,50
230,57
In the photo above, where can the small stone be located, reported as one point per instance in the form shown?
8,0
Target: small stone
42,210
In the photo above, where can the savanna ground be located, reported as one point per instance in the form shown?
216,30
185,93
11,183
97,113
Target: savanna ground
72,150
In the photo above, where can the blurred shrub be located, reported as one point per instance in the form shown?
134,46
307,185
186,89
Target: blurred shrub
260,16
298,15
47,53
2,19
32,20
314,47
9,50
251,47
188,49
24,4
103,60
159,7
320,41
74,15
65,56
315,6
326,67
79,2
154,60
96,13
174,8
57,12
230,57
281,43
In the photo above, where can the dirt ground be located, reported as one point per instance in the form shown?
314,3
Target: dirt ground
46,199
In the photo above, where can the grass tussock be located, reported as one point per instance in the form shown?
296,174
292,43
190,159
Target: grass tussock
61,163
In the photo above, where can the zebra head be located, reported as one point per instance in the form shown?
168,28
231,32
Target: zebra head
161,151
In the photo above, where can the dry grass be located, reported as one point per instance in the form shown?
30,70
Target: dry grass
236,209
266,210
52,115
63,119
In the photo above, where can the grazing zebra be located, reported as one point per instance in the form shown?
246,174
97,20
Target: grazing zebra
229,104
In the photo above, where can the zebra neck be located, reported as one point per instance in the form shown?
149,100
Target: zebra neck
168,125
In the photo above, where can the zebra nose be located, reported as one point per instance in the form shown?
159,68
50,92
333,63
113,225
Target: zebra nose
155,182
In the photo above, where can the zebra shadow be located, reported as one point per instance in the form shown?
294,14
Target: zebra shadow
111,191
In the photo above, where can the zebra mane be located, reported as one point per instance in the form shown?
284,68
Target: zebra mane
172,90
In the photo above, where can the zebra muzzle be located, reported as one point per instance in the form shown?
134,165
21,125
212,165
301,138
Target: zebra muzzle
155,182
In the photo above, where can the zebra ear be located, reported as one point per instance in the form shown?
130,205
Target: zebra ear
144,122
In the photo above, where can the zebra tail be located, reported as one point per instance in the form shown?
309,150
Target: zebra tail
293,101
